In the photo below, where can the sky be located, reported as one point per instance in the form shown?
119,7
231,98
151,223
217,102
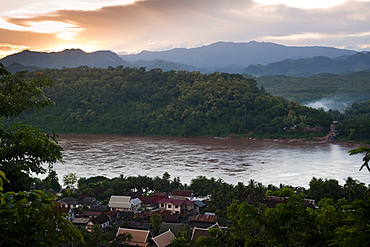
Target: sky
129,26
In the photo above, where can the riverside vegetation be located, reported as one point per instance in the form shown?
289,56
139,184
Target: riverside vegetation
134,101
30,217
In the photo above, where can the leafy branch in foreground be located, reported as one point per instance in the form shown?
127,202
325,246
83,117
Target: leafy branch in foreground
366,158
27,218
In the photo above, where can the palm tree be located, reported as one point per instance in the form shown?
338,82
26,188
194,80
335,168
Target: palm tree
241,191
349,187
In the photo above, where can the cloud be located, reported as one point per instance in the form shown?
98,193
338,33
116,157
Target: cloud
163,24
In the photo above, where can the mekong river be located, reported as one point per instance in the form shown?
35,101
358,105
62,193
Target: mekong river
233,160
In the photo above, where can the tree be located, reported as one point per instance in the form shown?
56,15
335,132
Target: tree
155,223
27,218
33,219
355,230
366,158
180,242
51,182
291,224
70,180
328,188
23,149
353,189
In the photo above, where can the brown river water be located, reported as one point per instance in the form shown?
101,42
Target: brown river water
232,160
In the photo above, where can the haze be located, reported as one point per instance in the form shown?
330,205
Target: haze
126,26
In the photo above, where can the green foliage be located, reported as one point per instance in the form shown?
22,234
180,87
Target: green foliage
18,93
180,242
33,219
328,188
366,159
28,218
355,230
51,182
134,101
291,224
339,89
202,186
2,178
24,149
355,122
247,222
70,180
155,223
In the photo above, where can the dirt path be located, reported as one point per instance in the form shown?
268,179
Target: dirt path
327,137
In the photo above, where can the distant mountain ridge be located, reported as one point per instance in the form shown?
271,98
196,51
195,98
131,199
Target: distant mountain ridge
312,66
67,58
226,57
223,54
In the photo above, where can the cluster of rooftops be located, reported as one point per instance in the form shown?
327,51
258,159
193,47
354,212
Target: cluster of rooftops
179,211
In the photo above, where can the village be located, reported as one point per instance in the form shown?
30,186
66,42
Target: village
180,213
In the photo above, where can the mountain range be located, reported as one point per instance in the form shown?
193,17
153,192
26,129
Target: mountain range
306,67
254,58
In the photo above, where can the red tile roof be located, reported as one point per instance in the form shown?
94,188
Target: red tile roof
175,201
206,218
164,239
139,237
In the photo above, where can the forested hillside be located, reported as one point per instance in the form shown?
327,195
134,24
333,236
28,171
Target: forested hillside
355,123
125,100
339,89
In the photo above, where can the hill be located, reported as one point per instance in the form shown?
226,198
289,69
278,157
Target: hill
326,90
226,57
67,58
312,66
134,101
223,54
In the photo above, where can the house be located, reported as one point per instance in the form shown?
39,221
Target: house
73,213
164,239
67,202
100,208
204,220
174,218
90,214
176,206
199,206
135,204
81,222
139,237
119,203
176,228
124,216
182,195
146,215
86,200
198,232
112,214
103,220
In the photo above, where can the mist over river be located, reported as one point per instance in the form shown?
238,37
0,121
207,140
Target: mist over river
233,160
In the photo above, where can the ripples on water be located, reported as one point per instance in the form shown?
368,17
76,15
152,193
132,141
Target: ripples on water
233,160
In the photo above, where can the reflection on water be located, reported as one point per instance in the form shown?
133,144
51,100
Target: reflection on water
233,160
